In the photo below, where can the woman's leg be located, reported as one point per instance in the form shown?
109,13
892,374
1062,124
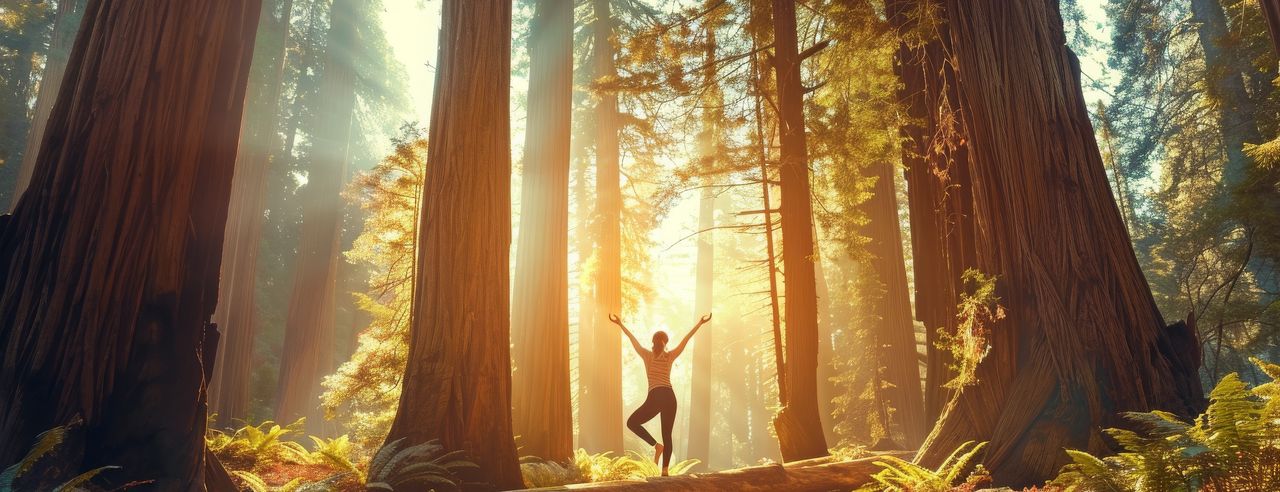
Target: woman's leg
668,422
647,411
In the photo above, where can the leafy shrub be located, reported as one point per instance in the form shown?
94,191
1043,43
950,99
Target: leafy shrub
1233,446
897,474
252,446
425,466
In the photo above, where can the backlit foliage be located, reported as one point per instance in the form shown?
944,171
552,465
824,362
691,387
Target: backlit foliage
957,472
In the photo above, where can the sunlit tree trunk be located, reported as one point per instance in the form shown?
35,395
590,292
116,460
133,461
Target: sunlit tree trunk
1082,340
704,367
601,406
111,323
798,423
940,198
308,339
542,412
893,328
826,349
457,386
66,22
236,315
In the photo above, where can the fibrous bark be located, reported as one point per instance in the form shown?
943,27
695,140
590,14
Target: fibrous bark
1083,340
542,403
600,409
457,384
111,266
308,339
798,423
66,22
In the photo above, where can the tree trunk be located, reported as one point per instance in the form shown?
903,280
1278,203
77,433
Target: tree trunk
66,22
798,424
601,410
940,196
457,385
894,330
543,414
1271,12
1224,71
1083,340
112,260
15,115
236,314
704,370
308,339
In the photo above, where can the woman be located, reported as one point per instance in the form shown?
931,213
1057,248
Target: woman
661,399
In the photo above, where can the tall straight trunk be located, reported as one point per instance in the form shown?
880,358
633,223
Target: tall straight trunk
457,385
1271,13
704,370
826,349
586,296
940,196
543,414
236,313
111,323
601,410
1082,340
308,339
893,328
1224,71
66,22
798,423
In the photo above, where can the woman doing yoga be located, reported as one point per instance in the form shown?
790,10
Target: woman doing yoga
661,399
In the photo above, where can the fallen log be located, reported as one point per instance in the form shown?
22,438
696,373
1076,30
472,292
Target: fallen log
815,475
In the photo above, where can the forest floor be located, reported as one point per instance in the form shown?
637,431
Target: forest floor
816,475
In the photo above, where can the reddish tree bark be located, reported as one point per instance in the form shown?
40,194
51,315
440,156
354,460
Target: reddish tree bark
600,411
66,22
112,260
798,423
1083,340
457,385
543,409
308,339
236,313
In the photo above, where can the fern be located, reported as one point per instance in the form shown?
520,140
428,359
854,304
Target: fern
420,467
897,474
47,443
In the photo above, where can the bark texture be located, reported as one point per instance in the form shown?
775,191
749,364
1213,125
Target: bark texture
1083,340
308,339
457,385
601,406
798,423
542,411
236,314
66,23
112,260
1271,12
940,195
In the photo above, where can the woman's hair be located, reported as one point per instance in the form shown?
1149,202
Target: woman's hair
659,342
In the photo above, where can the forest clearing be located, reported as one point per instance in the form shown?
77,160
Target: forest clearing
640,245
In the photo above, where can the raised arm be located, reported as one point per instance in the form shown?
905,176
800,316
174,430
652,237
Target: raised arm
680,348
634,343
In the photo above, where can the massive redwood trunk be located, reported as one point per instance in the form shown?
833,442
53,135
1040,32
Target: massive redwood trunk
798,423
236,314
66,22
308,339
893,329
940,196
542,403
111,266
1083,340
600,409
457,385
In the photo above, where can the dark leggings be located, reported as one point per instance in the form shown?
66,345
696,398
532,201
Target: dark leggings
661,400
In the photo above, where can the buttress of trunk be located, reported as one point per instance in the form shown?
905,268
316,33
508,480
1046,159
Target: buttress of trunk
109,323
1082,340
66,22
236,314
894,331
457,385
308,339
798,423
601,410
542,410
939,194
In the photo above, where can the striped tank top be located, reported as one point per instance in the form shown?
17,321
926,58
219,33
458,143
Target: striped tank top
658,368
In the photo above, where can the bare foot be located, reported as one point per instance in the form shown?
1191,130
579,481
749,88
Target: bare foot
664,472
657,453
